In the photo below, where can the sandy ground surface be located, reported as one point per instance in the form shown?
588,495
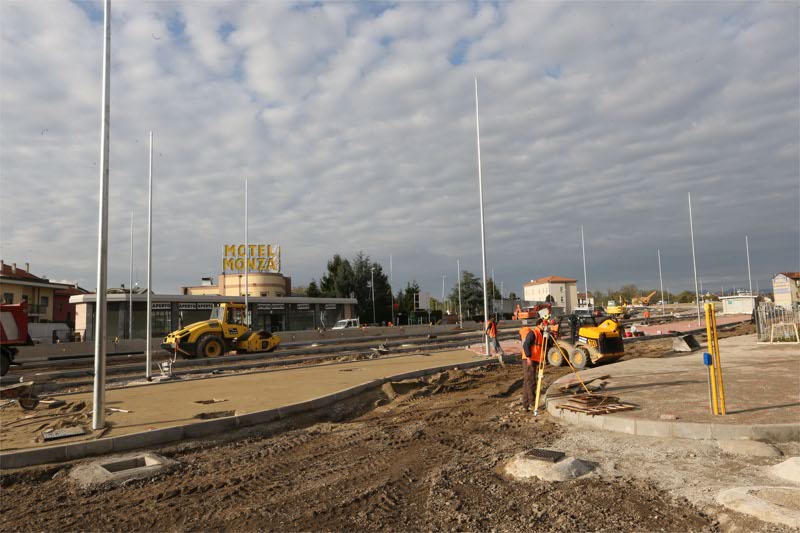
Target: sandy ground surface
421,455
151,406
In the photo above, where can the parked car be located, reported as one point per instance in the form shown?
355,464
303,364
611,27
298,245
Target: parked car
347,323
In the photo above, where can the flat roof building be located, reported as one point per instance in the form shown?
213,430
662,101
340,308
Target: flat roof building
786,287
173,311
561,292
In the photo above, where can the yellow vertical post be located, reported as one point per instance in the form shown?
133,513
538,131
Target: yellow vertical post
718,363
711,374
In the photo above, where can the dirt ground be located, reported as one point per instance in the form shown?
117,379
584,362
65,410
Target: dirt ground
419,455
430,459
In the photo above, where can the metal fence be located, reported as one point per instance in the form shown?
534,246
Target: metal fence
777,324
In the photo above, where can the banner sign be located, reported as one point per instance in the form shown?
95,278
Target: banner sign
330,306
205,306
186,306
162,305
259,257
301,307
263,307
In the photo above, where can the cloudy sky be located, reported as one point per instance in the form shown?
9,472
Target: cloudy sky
354,123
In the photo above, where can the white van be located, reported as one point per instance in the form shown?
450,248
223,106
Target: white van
347,323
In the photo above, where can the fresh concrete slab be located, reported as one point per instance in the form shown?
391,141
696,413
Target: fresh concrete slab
117,469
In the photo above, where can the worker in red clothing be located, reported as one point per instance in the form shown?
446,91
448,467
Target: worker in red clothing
531,356
646,316
491,330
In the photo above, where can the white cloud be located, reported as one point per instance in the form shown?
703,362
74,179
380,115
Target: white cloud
355,125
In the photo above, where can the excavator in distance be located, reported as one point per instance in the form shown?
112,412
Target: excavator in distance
644,301
225,331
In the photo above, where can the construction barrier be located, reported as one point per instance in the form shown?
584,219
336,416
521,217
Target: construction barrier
776,324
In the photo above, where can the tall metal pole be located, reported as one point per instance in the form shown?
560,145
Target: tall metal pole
661,281
372,286
694,261
391,285
443,292
130,287
585,278
99,391
460,315
148,335
749,277
483,233
246,261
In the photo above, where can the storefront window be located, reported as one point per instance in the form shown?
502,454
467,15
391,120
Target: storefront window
301,316
162,322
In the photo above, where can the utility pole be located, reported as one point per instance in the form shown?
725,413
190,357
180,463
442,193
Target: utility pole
585,278
661,281
99,391
130,287
372,286
148,335
460,315
246,261
694,261
483,233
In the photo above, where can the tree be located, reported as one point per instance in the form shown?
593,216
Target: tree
338,281
312,291
344,279
513,296
491,288
471,294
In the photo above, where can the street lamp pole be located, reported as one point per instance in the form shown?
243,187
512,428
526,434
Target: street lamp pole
483,232
443,295
585,278
372,286
694,261
661,281
246,261
391,285
148,335
130,287
460,315
99,391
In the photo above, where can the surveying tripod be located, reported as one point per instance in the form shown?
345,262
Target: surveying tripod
547,336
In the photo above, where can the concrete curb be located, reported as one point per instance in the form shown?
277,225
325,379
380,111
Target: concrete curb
78,450
674,429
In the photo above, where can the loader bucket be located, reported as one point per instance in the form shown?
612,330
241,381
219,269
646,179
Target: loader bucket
685,343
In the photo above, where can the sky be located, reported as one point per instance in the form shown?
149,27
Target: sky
354,124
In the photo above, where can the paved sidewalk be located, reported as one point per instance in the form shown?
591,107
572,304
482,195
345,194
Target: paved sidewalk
686,325
762,385
154,406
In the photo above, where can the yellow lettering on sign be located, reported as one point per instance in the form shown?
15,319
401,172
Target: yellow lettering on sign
252,263
230,249
261,250
271,264
262,263
242,250
228,264
253,248
240,264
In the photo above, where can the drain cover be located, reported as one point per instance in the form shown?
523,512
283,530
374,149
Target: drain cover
63,433
544,455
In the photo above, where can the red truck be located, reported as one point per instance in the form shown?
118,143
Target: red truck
13,333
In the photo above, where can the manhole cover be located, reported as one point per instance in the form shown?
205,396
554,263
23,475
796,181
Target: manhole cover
63,433
551,456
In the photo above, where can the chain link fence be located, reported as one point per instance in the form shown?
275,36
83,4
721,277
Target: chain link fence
777,324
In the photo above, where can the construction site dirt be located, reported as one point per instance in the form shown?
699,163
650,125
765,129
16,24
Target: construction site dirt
422,454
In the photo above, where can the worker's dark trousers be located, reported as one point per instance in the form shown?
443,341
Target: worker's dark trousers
528,384
496,344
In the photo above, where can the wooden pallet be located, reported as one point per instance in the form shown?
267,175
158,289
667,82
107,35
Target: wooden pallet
602,410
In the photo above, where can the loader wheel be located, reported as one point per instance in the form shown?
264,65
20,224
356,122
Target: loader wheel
210,346
554,357
5,362
579,357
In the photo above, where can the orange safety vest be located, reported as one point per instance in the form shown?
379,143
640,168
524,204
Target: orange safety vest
493,329
536,349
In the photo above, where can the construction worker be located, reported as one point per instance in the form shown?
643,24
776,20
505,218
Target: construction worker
491,330
646,316
531,356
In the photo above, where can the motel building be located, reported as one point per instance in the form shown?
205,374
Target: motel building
271,305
